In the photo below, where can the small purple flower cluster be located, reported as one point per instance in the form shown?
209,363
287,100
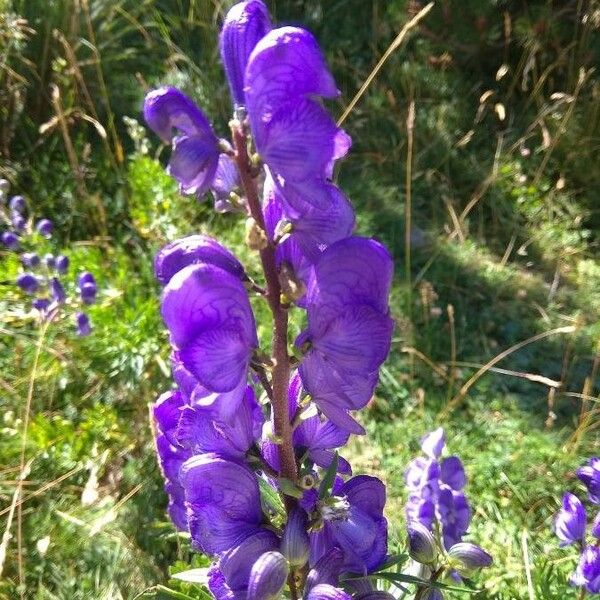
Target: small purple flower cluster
571,526
435,491
224,447
42,276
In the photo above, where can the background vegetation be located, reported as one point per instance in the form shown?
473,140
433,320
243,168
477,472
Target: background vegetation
483,128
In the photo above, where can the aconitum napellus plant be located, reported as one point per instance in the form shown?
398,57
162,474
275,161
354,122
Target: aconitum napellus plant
249,440
572,528
43,275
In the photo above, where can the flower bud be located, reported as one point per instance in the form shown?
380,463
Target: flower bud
17,204
469,557
41,304
28,282
57,290
44,228
62,264
10,240
244,26
295,543
325,591
421,544
596,527
268,576
84,326
30,260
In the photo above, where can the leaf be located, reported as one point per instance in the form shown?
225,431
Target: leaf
270,498
289,488
329,478
199,576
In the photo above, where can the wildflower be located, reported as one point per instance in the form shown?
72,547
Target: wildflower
44,228
571,520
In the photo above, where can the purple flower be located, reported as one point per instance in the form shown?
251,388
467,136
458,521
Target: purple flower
49,261
314,437
87,287
324,591
245,25
212,326
469,557
327,569
222,500
225,182
295,544
229,577
30,260
17,204
57,290
28,282
570,521
349,328
18,221
191,250
171,456
195,147
454,514
84,327
62,264
587,574
268,576
352,519
44,228
421,543
433,443
10,240
203,431
41,304
595,531
590,475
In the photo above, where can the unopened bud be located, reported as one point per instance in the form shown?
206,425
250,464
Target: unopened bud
421,544
295,543
467,557
268,576
256,238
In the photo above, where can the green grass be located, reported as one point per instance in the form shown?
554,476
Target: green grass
524,261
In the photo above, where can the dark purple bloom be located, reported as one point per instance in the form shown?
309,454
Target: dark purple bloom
587,574
245,25
268,576
327,569
433,443
41,304
17,204
212,326
469,557
222,500
203,431
62,264
44,228
225,182
30,260
314,437
10,240
590,475
18,221
228,579
195,147
570,521
352,519
28,282
88,292
349,328
49,261
170,455
191,250
57,290
421,543
324,591
84,327
295,543
454,514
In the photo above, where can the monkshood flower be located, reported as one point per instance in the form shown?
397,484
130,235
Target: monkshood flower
325,591
244,26
268,576
314,437
28,282
571,520
595,531
587,574
61,264
589,474
82,321
435,490
44,227
57,290
192,250
17,204
222,500
18,221
10,240
212,326
352,520
195,146
467,557
49,261
349,328
30,260
87,287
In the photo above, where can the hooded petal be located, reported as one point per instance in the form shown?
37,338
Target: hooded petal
245,25
433,443
589,474
193,163
570,522
324,591
452,472
194,249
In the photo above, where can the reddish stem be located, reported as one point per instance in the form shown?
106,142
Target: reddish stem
281,369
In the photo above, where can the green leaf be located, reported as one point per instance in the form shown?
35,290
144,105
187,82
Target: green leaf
270,499
329,478
289,488
199,576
